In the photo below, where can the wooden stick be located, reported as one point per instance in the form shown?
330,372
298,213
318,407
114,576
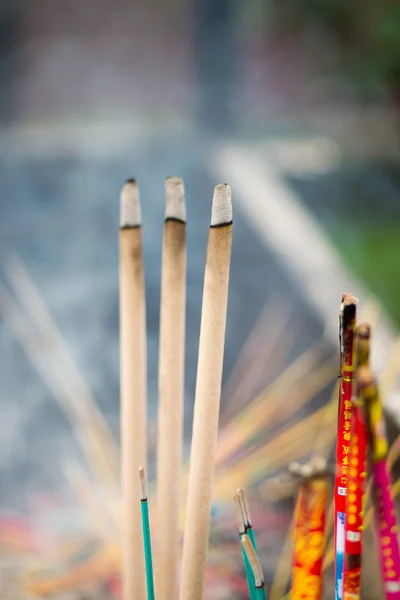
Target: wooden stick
133,388
171,389
208,394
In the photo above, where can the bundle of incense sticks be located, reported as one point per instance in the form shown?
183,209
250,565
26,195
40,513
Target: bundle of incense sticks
360,425
136,535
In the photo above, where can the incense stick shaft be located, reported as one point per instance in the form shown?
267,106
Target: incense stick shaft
133,406
146,534
170,412
206,410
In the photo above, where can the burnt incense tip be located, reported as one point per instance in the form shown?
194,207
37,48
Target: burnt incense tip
221,213
347,301
175,206
131,215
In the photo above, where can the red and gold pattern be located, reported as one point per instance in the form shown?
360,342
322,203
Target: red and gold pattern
347,371
355,508
310,516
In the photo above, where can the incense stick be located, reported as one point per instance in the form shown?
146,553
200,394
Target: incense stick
171,389
247,519
385,509
133,387
347,322
255,567
146,534
240,517
208,393
357,457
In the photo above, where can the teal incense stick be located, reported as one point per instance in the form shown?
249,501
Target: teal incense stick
146,535
242,531
258,576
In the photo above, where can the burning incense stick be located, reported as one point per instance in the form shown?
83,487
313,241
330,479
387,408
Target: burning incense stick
240,517
171,389
356,460
255,565
133,387
309,527
146,534
347,323
208,393
385,509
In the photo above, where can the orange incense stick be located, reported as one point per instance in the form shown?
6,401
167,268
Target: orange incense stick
309,528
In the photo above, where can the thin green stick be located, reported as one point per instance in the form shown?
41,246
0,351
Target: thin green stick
258,577
242,530
146,535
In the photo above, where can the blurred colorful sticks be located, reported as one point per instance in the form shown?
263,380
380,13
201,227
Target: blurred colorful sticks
385,509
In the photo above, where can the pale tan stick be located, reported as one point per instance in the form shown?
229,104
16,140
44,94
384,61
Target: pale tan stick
133,389
56,346
171,390
208,394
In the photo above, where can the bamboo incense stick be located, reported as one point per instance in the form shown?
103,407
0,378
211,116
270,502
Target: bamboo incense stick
385,509
171,389
357,462
347,324
133,388
208,394
146,534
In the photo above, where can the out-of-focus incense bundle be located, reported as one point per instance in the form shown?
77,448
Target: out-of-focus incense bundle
385,509
309,529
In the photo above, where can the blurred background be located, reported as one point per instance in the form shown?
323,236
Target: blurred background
296,103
